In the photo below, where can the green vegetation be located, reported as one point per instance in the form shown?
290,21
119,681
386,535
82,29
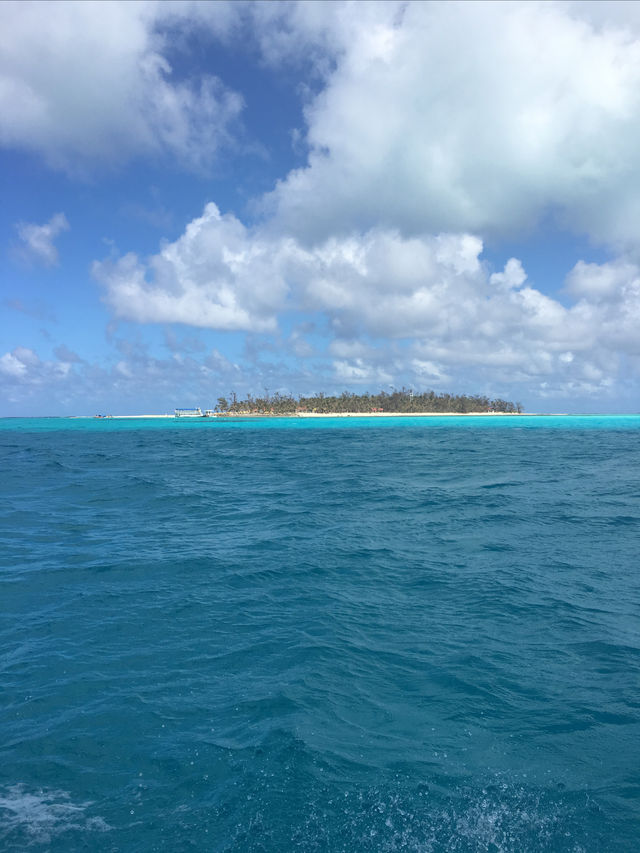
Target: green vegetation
403,401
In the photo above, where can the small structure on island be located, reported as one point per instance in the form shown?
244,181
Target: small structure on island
189,413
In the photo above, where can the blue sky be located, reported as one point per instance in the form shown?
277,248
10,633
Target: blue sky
202,198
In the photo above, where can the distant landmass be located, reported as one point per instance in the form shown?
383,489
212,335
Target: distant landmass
403,402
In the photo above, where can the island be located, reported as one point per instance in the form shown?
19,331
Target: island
396,402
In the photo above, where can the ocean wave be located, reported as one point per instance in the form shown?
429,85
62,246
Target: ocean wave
35,817
264,639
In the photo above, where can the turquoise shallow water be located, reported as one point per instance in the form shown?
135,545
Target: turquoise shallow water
334,635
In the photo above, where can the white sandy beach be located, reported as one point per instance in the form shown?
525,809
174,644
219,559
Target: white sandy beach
227,415
401,414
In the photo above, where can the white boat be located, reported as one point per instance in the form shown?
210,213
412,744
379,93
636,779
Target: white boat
189,413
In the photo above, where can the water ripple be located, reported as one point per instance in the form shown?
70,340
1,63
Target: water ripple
241,638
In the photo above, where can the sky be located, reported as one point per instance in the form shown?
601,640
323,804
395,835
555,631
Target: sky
206,198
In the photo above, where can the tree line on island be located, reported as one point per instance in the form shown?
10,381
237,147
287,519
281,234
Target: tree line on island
404,401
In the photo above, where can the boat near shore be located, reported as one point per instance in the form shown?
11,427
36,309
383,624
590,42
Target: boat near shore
195,413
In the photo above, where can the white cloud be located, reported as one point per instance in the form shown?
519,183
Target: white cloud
609,301
23,367
433,295
481,117
350,349
217,275
361,372
603,282
317,33
82,83
132,381
512,276
428,372
12,365
37,240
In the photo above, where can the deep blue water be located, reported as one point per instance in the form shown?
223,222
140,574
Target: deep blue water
338,635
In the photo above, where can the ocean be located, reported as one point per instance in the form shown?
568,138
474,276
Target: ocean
356,634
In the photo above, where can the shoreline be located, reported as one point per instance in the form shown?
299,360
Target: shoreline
230,415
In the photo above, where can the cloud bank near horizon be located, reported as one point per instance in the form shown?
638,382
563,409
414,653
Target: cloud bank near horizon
433,292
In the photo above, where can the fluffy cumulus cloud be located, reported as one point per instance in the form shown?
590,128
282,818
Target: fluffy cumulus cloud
482,117
87,83
217,275
37,241
461,323
422,311
23,373
133,378
319,34
609,298
429,306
